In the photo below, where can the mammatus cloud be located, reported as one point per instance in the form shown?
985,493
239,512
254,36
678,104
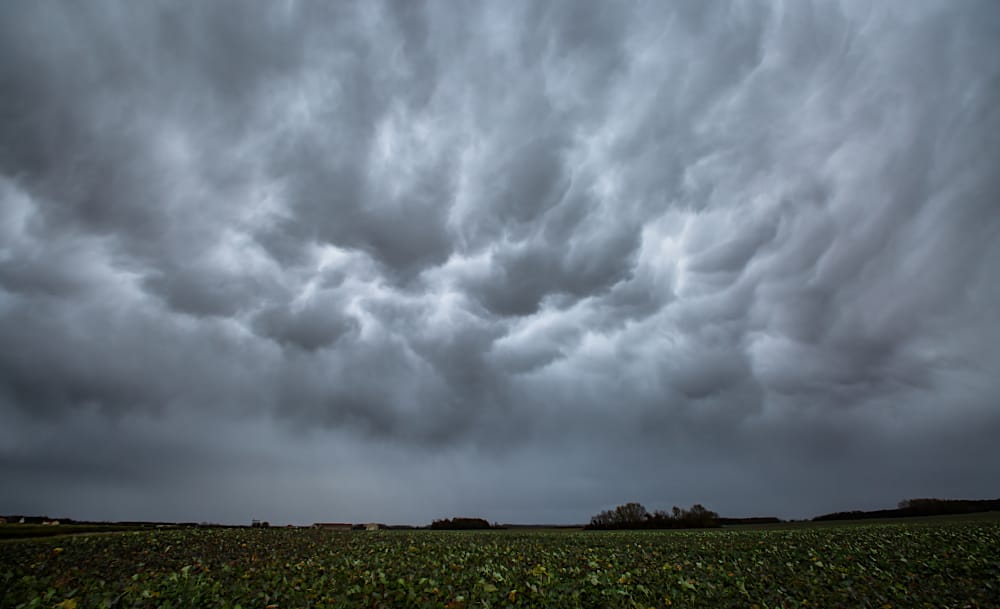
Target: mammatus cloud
405,261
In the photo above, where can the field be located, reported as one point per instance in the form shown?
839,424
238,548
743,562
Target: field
18,531
924,564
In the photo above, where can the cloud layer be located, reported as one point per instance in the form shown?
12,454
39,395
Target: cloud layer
527,261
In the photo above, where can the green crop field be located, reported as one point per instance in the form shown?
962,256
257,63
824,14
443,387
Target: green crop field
946,564
17,531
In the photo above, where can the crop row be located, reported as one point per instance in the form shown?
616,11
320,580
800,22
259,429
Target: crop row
944,565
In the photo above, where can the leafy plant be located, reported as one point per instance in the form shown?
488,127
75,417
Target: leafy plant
953,564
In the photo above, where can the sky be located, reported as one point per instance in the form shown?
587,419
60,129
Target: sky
525,261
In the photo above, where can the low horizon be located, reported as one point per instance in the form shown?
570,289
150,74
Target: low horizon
395,261
270,522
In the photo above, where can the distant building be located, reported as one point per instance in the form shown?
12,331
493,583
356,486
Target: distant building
3,520
336,526
374,526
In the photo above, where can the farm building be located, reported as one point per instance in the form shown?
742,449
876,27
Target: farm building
374,526
336,526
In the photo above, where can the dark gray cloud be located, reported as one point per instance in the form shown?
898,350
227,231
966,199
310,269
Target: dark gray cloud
399,261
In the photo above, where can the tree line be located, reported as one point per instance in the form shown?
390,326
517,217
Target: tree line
919,507
461,524
635,516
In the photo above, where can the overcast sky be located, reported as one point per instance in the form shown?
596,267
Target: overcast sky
398,261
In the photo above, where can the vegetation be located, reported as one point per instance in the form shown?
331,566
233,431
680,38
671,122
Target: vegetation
911,508
460,524
18,531
635,516
949,564
751,520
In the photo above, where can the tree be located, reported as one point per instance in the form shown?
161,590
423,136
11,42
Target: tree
604,520
635,516
699,516
460,523
630,514
626,516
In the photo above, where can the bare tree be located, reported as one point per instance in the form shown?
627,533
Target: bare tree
630,514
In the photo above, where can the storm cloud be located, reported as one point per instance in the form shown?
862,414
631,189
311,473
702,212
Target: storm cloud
526,261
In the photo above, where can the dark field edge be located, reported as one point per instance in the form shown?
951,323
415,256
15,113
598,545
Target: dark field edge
22,532
14,532
826,524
